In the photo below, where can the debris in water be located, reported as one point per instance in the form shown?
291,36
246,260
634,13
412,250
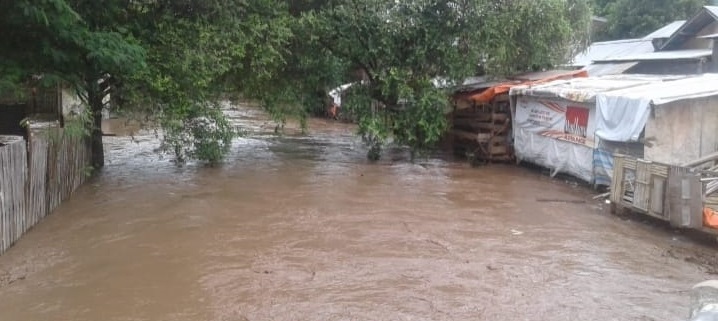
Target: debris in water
561,201
604,195
516,232
439,244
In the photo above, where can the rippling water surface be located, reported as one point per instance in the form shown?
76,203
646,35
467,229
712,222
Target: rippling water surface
302,227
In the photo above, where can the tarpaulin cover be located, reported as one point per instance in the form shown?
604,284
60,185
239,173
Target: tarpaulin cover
583,89
557,155
623,114
556,134
620,107
710,218
487,95
620,118
602,167
562,101
603,158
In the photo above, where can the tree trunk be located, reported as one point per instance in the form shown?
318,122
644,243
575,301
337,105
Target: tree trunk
94,98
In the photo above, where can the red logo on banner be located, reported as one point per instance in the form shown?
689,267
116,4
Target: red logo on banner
576,121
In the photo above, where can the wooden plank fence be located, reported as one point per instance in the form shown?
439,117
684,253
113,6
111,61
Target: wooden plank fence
35,177
67,160
36,196
13,177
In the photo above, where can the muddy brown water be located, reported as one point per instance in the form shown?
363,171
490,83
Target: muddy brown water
304,228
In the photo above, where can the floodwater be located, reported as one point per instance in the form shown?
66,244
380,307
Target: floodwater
304,228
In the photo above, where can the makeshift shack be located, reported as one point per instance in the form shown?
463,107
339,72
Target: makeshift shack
40,103
481,120
481,129
576,126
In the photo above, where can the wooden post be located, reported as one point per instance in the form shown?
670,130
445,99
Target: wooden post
617,189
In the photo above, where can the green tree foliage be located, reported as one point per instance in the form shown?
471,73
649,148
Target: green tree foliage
197,51
53,40
50,38
175,59
170,59
600,7
398,49
637,18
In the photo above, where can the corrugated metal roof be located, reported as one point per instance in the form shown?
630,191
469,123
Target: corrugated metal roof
534,78
663,55
610,49
478,86
580,89
712,9
664,92
689,29
667,31
474,84
602,69
473,80
586,89
538,75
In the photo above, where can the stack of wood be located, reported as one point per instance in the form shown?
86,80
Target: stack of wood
483,131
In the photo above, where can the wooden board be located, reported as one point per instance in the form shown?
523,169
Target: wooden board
685,199
641,196
617,189
498,150
463,134
657,196
480,117
464,104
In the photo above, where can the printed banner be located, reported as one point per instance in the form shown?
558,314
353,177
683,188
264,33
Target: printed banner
562,120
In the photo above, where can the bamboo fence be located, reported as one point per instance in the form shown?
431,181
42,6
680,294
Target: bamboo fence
13,178
36,176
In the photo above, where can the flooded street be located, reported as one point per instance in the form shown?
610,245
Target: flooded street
304,228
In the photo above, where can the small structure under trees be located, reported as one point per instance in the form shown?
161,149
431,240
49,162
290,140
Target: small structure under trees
576,126
481,120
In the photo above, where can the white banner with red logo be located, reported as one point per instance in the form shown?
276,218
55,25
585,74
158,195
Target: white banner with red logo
556,134
561,120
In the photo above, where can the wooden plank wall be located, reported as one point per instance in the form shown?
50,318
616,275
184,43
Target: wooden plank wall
685,199
35,177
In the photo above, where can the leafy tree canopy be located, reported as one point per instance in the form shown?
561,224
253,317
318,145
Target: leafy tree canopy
637,18
399,49
169,59
174,59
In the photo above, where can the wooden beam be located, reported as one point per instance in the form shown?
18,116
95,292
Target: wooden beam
702,160
464,134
